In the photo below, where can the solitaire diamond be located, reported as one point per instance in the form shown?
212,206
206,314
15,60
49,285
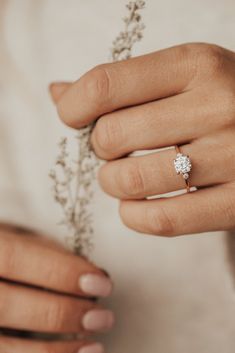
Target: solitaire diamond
182,165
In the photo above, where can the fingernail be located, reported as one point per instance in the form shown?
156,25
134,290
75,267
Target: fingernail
96,285
94,348
98,320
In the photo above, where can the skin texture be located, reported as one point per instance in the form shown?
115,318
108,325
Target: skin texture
183,95
40,292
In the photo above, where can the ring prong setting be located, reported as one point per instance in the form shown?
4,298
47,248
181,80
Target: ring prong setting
182,165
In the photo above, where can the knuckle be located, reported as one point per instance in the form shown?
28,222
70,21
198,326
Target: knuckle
97,86
227,151
183,54
228,207
55,317
229,106
159,222
131,180
186,50
108,135
210,58
203,59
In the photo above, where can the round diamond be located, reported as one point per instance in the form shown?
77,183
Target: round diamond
182,165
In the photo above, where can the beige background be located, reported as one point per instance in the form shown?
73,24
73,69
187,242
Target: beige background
171,296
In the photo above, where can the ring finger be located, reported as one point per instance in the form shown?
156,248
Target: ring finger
154,174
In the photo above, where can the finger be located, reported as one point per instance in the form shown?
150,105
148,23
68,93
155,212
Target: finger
175,120
10,345
31,261
205,210
113,86
40,311
154,174
57,89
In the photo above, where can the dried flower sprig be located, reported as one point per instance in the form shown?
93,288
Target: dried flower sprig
72,190
73,178
133,32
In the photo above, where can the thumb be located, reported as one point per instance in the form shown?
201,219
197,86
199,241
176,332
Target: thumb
57,89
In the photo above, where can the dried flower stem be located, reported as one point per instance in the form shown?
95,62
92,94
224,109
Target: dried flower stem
73,179
133,32
72,189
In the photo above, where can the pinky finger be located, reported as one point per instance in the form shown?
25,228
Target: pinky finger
209,209
9,345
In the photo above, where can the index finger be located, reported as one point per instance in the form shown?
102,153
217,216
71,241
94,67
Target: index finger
28,260
135,81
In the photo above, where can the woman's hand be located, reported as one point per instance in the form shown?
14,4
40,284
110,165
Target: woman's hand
179,96
44,288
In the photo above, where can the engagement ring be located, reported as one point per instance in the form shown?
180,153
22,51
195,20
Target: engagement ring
183,166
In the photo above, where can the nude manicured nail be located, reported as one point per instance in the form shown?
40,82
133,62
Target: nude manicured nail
94,348
98,320
96,285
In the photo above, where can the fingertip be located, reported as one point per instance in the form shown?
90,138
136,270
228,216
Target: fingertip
92,348
57,89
